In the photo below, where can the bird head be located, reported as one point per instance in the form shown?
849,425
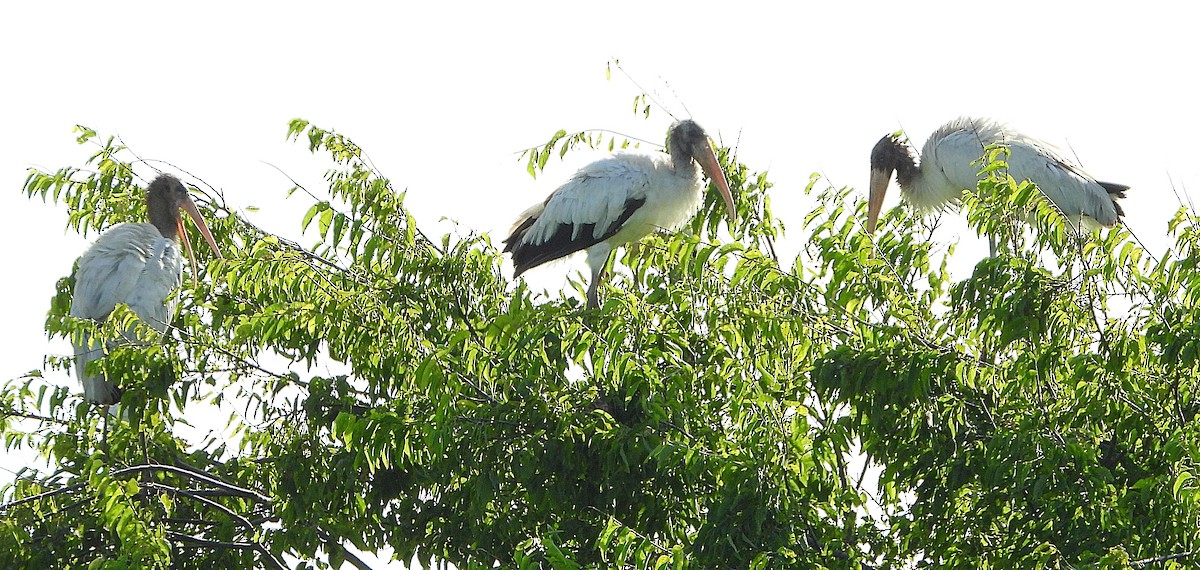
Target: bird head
890,155
165,197
686,140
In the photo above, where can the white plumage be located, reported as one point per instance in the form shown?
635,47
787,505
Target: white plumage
618,200
946,169
138,264
131,264
596,195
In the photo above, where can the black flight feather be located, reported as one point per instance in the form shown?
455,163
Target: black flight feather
1115,191
564,242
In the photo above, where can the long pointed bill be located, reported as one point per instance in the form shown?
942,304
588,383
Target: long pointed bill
187,244
708,161
190,207
879,185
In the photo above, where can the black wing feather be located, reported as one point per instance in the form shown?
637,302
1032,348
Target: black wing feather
564,242
1115,191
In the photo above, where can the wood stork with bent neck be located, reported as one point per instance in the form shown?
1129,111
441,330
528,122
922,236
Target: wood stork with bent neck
137,264
618,200
946,169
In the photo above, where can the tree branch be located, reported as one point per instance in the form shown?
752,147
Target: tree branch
333,544
6,412
205,543
207,502
233,490
1148,561
230,489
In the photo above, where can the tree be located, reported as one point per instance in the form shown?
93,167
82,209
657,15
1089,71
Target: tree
853,408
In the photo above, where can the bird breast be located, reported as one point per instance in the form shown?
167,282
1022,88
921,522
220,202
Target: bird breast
132,264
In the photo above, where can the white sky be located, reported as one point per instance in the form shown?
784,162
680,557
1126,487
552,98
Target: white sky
442,95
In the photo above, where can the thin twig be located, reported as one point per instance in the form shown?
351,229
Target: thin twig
231,490
206,543
1148,561
332,544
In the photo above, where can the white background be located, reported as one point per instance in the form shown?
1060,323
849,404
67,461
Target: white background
443,95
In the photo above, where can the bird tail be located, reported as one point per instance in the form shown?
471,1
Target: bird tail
515,243
96,387
1115,192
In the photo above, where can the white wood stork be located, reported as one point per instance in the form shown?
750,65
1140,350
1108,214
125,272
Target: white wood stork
946,170
138,265
618,200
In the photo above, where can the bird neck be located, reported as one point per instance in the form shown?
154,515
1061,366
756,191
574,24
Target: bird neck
907,170
926,189
682,160
163,216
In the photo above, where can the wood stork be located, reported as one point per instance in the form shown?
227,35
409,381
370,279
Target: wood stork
946,170
618,200
138,265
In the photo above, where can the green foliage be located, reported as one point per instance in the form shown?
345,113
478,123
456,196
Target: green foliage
561,143
859,408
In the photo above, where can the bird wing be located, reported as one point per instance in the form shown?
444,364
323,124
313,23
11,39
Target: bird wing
950,161
957,147
1065,183
587,209
131,264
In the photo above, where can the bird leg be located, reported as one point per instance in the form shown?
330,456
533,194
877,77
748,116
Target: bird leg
593,300
104,438
597,258
593,292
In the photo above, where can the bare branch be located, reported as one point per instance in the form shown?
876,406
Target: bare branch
266,555
1159,560
332,544
229,488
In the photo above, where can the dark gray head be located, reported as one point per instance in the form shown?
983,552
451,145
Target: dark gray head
890,154
686,142
685,138
164,197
